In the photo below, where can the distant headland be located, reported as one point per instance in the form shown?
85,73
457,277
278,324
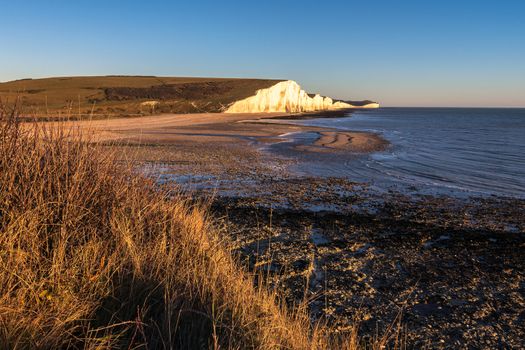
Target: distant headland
121,96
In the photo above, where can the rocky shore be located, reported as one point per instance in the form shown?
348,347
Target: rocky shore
450,272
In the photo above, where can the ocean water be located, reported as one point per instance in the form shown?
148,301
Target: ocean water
464,151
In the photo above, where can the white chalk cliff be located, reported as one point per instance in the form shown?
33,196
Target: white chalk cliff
288,97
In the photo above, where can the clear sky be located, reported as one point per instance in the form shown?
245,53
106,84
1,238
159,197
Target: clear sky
400,53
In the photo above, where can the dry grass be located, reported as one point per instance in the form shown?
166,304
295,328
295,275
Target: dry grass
93,256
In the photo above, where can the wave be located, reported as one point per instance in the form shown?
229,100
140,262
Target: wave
469,150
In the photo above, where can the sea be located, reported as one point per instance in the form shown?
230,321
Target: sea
449,151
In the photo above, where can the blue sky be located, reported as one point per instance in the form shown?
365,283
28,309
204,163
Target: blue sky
400,53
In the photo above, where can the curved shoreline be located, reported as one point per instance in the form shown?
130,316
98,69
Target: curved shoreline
237,129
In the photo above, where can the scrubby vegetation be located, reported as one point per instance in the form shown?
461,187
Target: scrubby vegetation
95,256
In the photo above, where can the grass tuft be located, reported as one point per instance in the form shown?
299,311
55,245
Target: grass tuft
94,256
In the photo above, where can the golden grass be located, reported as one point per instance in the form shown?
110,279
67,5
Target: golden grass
93,256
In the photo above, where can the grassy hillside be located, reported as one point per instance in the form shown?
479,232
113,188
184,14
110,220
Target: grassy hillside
94,256
82,97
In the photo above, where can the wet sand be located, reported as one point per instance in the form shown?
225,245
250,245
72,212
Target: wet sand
359,142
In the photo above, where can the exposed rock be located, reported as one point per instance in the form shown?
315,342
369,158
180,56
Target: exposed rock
287,96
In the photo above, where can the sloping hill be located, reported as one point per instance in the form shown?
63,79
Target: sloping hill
82,97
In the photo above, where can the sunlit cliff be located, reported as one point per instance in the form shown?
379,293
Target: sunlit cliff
287,96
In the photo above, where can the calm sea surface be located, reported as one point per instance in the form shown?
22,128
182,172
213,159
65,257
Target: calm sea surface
435,150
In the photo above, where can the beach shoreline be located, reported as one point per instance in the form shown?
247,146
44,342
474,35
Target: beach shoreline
356,254
211,128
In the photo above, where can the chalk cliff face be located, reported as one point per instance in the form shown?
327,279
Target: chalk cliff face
287,96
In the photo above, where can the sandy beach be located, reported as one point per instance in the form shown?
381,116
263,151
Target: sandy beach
212,128
358,142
